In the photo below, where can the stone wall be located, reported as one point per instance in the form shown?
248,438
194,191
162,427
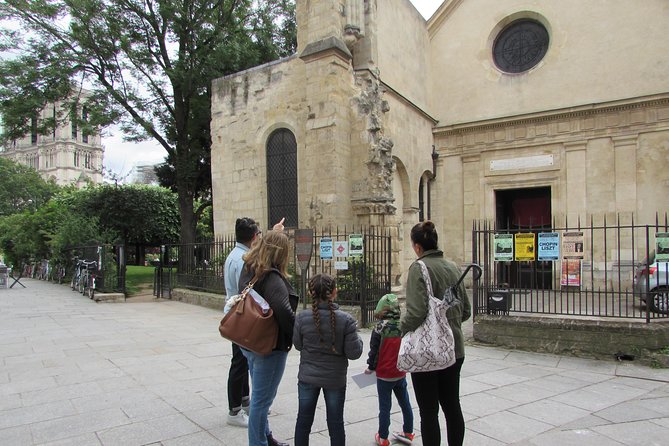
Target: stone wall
402,36
580,337
602,160
579,68
209,300
246,108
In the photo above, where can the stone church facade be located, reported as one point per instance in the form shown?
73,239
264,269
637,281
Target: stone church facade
559,109
67,155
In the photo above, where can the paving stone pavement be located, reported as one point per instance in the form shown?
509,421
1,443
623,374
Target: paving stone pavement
75,372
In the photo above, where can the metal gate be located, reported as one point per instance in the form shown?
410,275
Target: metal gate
602,277
367,277
361,279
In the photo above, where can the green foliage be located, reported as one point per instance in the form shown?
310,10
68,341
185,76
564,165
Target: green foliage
135,213
205,224
137,277
350,279
148,66
22,188
17,239
93,216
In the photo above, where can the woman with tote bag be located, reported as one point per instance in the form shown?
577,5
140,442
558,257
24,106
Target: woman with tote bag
436,388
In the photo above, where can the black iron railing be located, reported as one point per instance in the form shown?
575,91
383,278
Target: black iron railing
361,279
604,279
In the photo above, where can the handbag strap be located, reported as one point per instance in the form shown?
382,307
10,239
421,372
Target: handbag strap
426,277
451,300
248,288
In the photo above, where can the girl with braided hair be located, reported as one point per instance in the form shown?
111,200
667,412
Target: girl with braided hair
327,338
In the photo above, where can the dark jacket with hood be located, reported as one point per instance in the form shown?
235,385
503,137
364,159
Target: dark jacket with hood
319,365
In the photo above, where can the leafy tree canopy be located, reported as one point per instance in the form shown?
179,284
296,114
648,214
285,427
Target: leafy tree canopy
22,188
146,64
137,214
93,216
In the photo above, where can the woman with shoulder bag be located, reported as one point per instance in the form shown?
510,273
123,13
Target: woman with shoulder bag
439,387
266,264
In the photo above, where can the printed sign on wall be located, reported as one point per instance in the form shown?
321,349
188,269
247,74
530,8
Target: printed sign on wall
572,245
524,246
662,247
326,248
549,246
571,272
341,248
355,246
341,265
503,244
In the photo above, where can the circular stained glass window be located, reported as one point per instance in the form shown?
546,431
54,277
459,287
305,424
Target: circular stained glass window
520,46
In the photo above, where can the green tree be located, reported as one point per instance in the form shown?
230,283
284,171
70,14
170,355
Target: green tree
137,214
18,240
148,65
22,188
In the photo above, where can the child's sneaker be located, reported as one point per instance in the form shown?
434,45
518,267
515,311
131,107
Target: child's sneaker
381,441
403,437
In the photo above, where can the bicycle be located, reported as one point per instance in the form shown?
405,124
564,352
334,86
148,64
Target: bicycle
80,277
76,274
58,273
86,269
90,289
43,270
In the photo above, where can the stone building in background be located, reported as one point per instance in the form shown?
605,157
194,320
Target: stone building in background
513,112
67,155
145,174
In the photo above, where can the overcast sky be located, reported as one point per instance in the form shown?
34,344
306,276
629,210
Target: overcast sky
122,157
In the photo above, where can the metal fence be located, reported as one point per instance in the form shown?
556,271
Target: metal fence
111,265
367,277
361,280
601,275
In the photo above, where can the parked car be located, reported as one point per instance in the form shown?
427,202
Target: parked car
651,283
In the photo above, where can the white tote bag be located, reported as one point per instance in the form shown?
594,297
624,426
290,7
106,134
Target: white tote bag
431,346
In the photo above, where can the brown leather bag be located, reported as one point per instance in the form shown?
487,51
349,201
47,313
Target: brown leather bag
247,325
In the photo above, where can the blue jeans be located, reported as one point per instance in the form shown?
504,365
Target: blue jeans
385,389
334,406
266,373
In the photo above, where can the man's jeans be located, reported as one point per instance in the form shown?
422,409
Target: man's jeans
334,406
385,390
266,373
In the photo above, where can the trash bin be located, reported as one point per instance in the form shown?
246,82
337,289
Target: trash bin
499,301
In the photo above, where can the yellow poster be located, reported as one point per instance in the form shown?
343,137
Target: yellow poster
524,247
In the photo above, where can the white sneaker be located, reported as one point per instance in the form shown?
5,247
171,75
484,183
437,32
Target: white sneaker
241,419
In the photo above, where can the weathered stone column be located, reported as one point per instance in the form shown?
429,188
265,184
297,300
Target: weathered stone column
625,173
575,201
471,195
327,132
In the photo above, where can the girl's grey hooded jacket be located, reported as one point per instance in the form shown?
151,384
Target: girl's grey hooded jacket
319,365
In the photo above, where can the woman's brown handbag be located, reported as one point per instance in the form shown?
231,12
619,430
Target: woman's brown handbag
250,324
